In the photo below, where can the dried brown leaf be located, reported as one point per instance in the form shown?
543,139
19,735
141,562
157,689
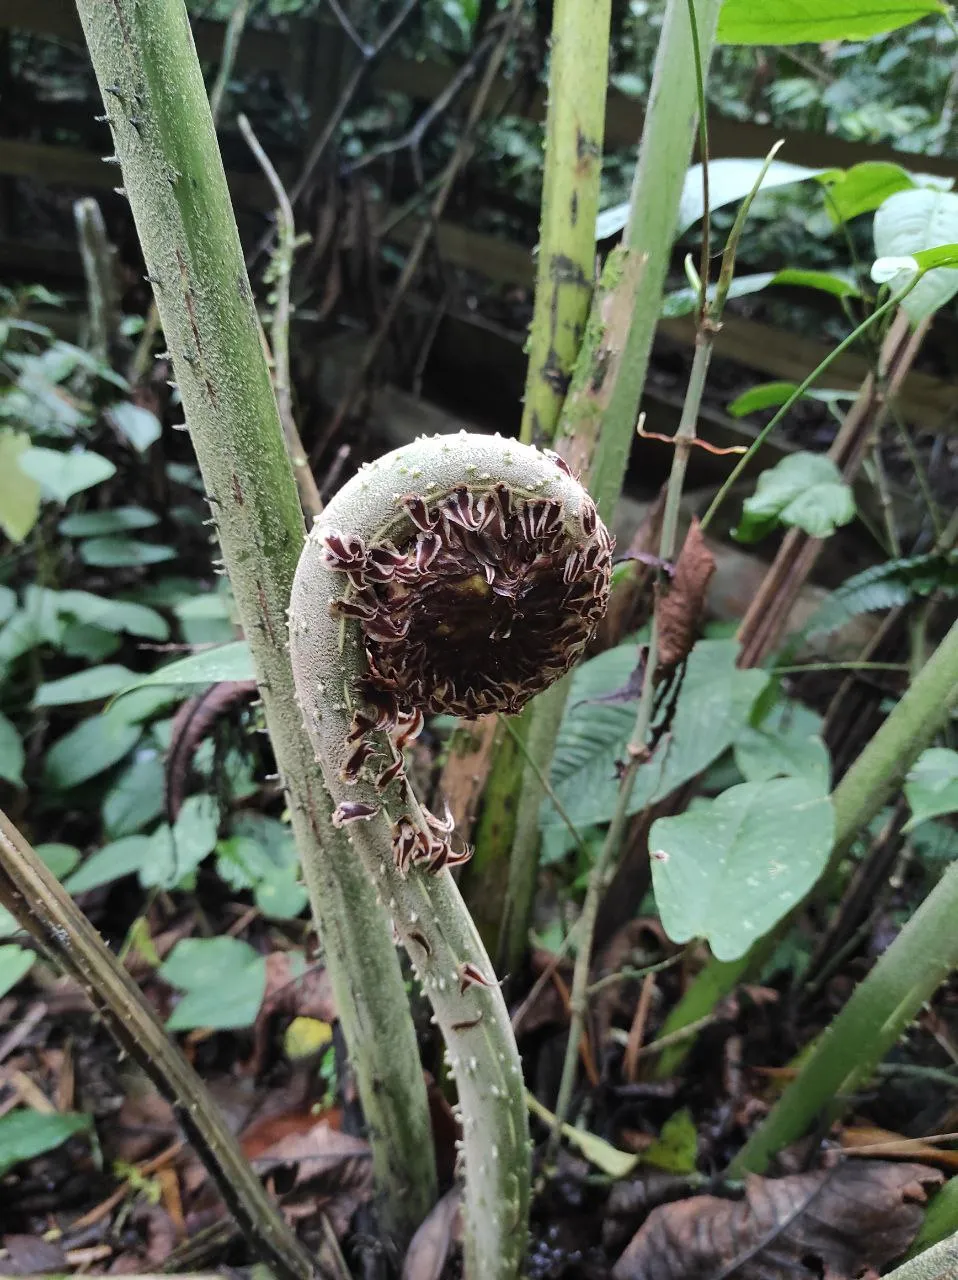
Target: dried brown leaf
430,1246
27,1255
322,1153
191,724
466,770
679,609
837,1222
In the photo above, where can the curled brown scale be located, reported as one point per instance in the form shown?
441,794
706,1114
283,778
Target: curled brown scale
483,602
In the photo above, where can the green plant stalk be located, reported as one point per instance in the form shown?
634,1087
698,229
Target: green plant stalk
667,140
636,754
628,302
940,1222
575,119
155,98
876,1015
799,391
331,666
99,270
912,726
40,904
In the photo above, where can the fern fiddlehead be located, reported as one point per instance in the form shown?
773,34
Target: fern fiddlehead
460,574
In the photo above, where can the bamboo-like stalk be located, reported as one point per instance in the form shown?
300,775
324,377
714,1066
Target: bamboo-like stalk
596,428
922,955
575,120
156,102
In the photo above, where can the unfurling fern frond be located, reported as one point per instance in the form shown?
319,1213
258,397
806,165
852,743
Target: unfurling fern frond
886,586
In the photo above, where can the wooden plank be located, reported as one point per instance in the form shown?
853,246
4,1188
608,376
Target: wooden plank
926,402
277,51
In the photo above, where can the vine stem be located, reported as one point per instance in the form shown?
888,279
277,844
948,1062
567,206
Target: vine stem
596,429
636,753
163,131
282,267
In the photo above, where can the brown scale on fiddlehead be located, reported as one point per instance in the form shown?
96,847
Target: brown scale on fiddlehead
484,602
460,575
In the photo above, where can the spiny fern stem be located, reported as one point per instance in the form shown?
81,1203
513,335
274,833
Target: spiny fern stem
456,575
163,132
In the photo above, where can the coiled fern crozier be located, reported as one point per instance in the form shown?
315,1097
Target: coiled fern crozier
460,574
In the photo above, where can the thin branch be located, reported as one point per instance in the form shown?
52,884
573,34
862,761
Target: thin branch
231,43
371,55
309,495
451,172
35,898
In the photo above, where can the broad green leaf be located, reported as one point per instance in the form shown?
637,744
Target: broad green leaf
788,744
123,553
677,1146
15,963
113,615
729,869
943,255
19,495
714,707
227,662
206,619
729,180
863,188
261,855
142,704
11,753
224,980
178,850
92,685
136,799
732,180
61,475
8,603
92,524
908,223
25,1134
804,491
120,858
838,284
91,748
93,644
804,21
931,787
770,395
136,424
684,301
59,858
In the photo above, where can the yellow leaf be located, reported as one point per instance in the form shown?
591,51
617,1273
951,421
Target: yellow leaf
305,1037
19,494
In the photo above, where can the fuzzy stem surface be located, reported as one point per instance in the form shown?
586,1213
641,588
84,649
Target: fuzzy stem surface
354,714
163,131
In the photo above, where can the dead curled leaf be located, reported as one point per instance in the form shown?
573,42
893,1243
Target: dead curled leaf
333,1173
679,607
430,1246
835,1222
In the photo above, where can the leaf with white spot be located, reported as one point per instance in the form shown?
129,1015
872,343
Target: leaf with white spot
729,869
